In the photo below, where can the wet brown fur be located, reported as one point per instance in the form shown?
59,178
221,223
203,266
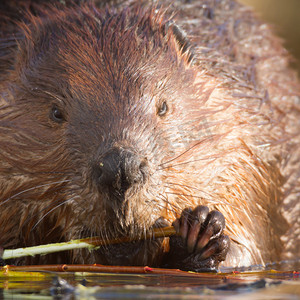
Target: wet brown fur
230,138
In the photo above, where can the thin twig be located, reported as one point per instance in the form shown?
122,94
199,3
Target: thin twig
31,270
107,269
91,243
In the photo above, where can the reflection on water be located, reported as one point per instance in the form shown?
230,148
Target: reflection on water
255,282
278,266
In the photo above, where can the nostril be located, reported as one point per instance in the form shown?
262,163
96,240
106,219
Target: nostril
100,171
143,164
109,171
143,168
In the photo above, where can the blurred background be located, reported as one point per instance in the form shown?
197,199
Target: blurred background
284,15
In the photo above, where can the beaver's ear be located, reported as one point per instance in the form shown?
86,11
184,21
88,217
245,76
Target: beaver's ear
185,46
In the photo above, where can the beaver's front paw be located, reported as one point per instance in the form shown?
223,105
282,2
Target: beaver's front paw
201,244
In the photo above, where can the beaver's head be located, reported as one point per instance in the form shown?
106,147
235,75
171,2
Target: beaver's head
100,101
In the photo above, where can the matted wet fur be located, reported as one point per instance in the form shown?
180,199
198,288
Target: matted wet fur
213,118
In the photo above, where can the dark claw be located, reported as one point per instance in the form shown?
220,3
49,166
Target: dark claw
182,224
205,236
213,228
198,217
217,221
216,246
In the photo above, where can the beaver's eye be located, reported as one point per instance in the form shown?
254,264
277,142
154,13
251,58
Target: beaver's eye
56,114
162,109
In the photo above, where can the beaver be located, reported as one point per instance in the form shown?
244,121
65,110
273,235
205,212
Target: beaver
118,117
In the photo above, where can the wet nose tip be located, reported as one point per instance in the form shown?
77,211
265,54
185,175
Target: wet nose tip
121,168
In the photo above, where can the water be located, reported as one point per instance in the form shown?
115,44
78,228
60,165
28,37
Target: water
251,283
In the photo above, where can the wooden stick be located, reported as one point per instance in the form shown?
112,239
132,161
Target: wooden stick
90,243
96,268
107,269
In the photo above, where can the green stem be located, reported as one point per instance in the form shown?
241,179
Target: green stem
90,243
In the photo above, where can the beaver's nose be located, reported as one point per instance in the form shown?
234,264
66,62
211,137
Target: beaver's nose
120,168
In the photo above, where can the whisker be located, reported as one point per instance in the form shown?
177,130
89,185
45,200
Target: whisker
214,137
38,173
33,188
173,207
40,211
185,195
211,158
51,210
182,185
209,201
189,187
176,157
